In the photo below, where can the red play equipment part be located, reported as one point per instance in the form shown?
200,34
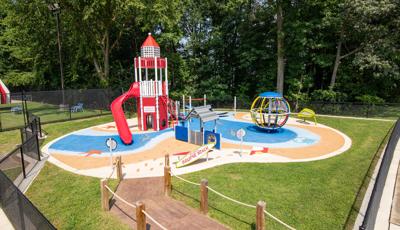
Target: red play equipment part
154,108
4,94
118,112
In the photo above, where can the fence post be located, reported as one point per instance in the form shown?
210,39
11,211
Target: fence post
22,160
204,196
167,180
119,168
140,216
260,215
40,127
37,146
166,163
105,203
70,112
234,104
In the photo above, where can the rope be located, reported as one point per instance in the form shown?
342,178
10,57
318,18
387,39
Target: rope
134,206
231,199
154,221
122,199
279,221
187,181
236,201
112,172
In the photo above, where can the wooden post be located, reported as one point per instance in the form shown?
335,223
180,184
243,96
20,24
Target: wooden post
105,203
260,215
140,216
119,168
167,180
204,196
166,160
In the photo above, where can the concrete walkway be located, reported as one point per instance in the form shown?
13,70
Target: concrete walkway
388,216
5,224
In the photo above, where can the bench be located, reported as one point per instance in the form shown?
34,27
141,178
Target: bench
307,113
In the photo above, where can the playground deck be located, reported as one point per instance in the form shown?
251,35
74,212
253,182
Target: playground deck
170,213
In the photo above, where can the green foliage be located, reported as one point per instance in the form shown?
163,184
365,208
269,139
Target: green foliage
327,95
370,99
219,48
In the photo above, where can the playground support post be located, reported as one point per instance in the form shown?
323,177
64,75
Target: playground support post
204,196
105,205
190,102
260,215
167,180
234,104
183,104
140,216
205,99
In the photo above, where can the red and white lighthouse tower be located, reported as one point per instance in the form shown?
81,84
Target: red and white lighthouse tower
151,71
150,90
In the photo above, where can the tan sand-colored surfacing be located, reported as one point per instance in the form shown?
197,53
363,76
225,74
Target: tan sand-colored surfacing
331,143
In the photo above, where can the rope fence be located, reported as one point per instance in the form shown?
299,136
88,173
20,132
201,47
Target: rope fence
120,198
140,221
233,200
154,221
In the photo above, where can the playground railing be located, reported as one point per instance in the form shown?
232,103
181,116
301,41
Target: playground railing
21,213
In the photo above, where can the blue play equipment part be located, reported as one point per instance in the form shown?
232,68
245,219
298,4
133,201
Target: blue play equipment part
181,133
209,136
270,111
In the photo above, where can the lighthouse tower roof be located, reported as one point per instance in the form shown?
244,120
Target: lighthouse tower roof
150,41
150,47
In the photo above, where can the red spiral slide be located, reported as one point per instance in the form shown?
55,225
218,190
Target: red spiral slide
118,113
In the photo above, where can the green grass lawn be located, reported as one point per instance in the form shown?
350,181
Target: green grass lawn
8,141
68,200
46,112
313,195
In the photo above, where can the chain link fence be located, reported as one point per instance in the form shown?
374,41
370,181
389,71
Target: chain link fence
356,109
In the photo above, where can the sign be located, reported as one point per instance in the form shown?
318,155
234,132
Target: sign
240,134
111,144
149,109
195,155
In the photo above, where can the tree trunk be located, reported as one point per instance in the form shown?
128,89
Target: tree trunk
280,53
336,65
106,56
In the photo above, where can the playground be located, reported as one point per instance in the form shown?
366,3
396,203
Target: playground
170,138
85,152
156,163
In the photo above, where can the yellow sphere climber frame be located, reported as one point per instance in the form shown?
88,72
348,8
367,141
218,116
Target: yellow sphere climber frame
270,111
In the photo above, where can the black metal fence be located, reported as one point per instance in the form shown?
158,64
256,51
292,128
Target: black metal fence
355,109
24,157
374,202
55,106
19,210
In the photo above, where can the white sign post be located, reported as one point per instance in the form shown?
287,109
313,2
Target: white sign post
240,134
112,145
